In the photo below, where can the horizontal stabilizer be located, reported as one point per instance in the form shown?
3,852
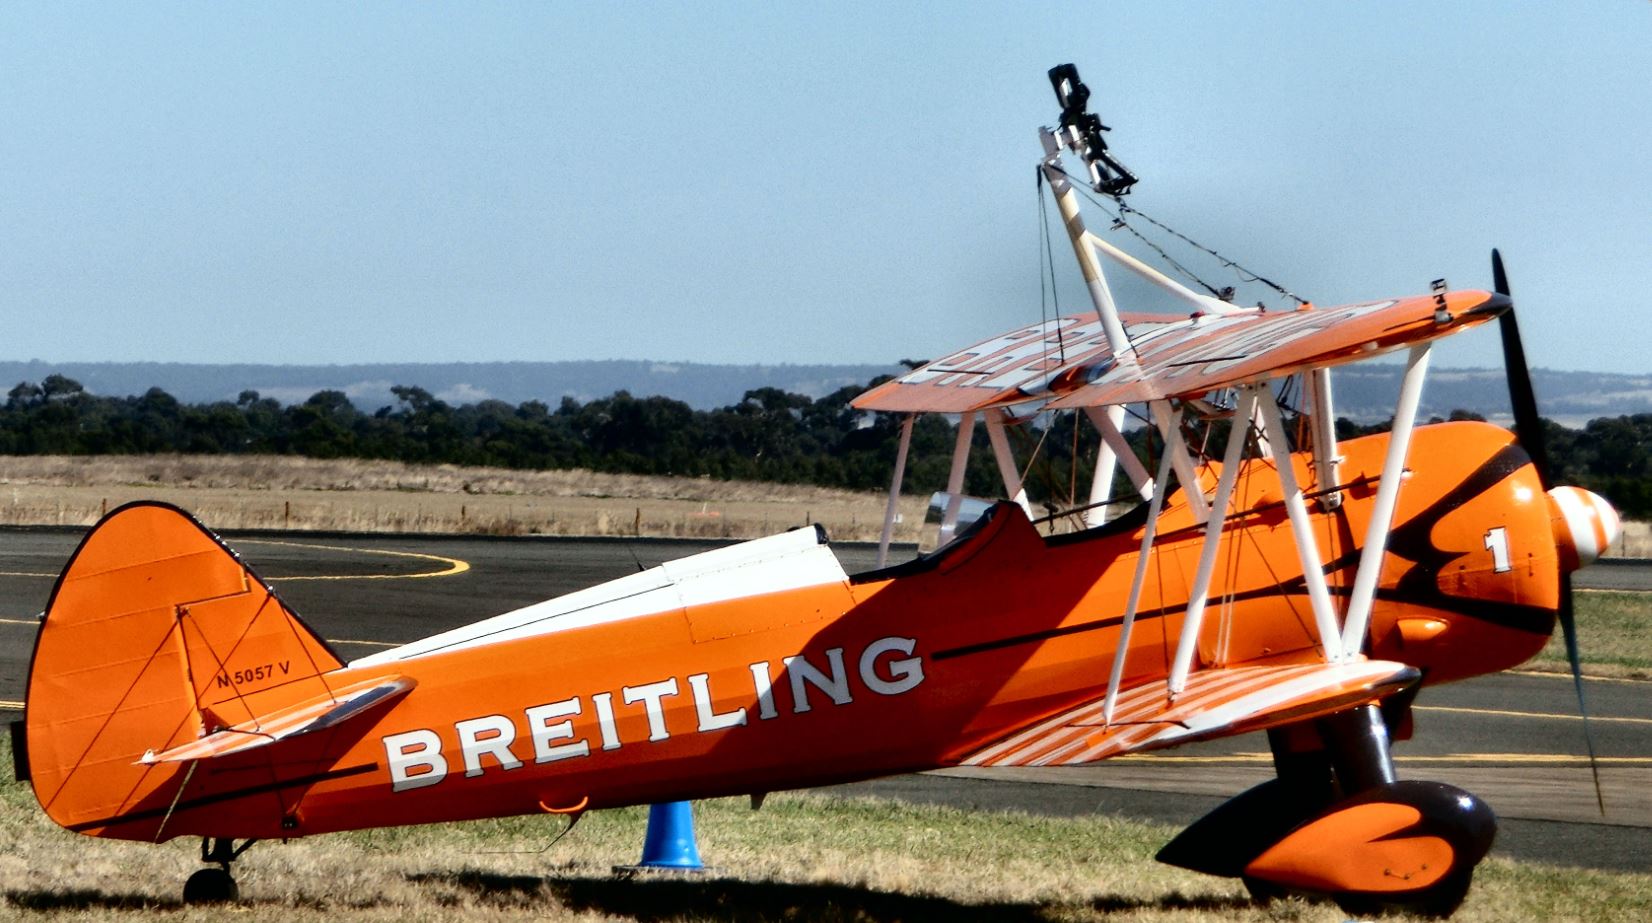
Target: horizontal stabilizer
316,714
1215,703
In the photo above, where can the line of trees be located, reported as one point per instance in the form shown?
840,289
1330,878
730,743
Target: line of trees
770,435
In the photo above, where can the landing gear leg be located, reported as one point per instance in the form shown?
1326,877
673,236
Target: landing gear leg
1336,824
1362,760
1359,749
215,885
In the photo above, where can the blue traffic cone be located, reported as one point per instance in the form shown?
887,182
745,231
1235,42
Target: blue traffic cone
669,843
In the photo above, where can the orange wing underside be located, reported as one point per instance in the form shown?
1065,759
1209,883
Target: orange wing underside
1214,703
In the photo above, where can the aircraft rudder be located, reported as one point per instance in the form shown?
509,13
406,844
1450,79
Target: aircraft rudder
155,634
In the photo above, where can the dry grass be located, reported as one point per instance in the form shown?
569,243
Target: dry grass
353,495
1636,541
285,492
1612,636
802,858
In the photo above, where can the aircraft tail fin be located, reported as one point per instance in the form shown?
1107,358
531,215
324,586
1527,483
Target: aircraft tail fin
156,636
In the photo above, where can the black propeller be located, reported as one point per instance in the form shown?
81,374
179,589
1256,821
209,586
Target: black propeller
1528,429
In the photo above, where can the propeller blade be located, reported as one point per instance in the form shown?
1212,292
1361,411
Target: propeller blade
1528,426
1528,429
1568,630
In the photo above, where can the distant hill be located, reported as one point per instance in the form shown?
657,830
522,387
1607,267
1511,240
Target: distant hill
701,386
1366,393
1363,392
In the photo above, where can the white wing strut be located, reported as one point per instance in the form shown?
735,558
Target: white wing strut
1160,486
1176,447
1199,597
1107,462
1109,424
1382,510
955,480
1324,428
1006,462
891,511
1307,547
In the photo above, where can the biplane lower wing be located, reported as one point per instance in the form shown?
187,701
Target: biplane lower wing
1215,703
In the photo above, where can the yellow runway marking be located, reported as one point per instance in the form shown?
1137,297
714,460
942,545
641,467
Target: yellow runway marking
36,622
454,565
1533,758
1586,675
7,703
1501,713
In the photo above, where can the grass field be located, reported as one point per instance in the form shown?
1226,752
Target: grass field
282,492
287,492
801,858
1613,636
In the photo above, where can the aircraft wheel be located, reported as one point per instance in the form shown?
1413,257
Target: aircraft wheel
211,886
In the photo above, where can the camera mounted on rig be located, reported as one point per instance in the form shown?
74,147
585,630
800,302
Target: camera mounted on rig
1081,131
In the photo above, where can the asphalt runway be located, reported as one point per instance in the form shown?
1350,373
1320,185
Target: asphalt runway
1514,738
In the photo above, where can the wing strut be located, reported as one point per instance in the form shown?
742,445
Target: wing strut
1006,462
1160,485
955,480
1382,511
1107,463
1109,425
1114,452
1199,597
1165,417
1322,421
890,512
1307,547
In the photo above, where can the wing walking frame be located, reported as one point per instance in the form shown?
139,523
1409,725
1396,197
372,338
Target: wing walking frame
1168,363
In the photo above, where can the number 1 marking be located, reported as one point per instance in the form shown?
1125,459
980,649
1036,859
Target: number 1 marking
1497,542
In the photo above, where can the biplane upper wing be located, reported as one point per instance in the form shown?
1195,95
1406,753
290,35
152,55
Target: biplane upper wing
1068,363
1215,703
1001,370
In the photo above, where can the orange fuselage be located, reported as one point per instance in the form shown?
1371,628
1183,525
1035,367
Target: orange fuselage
907,669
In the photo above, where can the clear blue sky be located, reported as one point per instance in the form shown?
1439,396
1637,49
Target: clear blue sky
327,183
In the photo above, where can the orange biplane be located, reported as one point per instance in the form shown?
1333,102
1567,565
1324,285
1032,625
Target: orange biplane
1292,583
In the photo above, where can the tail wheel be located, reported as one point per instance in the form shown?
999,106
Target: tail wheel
211,886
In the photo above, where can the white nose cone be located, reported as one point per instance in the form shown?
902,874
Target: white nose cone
1584,525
